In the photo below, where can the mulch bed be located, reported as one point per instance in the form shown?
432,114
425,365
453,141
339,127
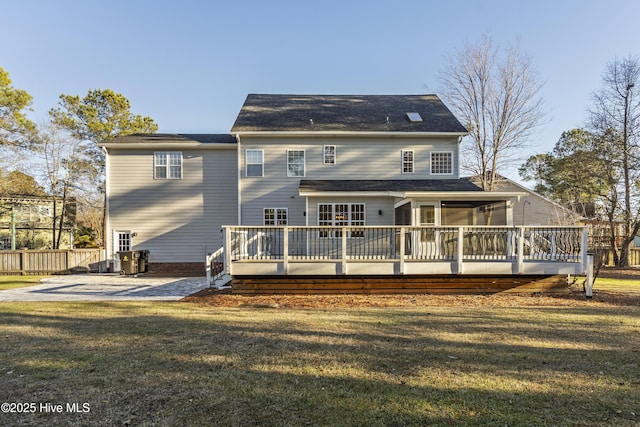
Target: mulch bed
575,297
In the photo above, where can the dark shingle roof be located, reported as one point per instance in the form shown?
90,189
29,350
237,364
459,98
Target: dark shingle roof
427,185
351,113
205,138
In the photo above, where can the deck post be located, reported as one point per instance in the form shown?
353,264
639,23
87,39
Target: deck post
584,247
285,250
207,268
402,254
520,252
227,250
460,249
344,250
588,287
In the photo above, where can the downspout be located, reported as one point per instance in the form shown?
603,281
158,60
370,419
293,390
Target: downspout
105,214
239,180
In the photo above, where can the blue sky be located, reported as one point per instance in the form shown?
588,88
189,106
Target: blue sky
190,64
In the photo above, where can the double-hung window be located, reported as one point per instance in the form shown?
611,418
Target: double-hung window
341,215
407,161
167,165
329,155
254,162
295,163
275,216
441,163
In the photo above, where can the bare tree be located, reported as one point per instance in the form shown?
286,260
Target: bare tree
496,95
615,115
68,172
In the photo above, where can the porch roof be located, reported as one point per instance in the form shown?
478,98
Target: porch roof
451,189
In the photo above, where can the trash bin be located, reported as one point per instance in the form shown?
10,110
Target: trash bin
129,262
143,261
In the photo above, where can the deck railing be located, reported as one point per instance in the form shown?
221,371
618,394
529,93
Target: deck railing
405,244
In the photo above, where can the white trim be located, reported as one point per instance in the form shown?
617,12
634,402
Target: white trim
356,134
467,195
168,146
454,195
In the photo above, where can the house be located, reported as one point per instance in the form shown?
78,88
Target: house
324,185
27,221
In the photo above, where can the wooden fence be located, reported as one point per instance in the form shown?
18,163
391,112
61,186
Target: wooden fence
605,256
27,262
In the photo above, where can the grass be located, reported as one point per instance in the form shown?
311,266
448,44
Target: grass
182,364
617,285
13,282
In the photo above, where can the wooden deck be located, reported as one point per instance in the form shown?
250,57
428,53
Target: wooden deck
440,284
398,259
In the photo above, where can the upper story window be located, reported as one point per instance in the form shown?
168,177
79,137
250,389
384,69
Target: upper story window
295,163
275,216
329,155
407,161
254,162
167,165
442,163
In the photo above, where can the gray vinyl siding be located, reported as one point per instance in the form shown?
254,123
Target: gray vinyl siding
177,220
534,209
356,158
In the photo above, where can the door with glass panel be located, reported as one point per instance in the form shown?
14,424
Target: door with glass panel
426,237
122,242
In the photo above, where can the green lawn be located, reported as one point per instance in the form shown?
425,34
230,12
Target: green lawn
183,364
12,282
617,285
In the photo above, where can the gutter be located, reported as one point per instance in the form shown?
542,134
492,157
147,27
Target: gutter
325,133
166,145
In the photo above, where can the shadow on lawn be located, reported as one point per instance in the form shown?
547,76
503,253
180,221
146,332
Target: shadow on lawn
366,367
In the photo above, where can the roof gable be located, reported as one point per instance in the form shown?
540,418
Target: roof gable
345,113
